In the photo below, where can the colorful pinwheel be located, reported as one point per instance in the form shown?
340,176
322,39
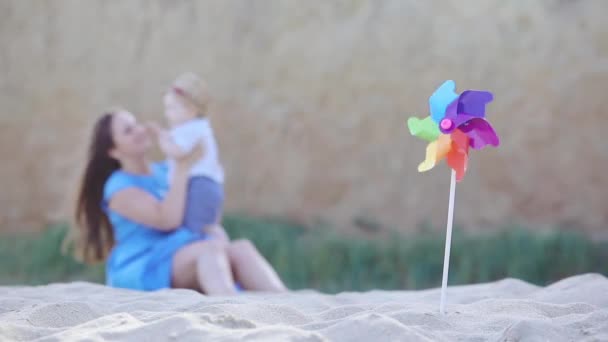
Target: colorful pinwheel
456,123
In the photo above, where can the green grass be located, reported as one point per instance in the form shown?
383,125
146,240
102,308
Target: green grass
317,257
36,259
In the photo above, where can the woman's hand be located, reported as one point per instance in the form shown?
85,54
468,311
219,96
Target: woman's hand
184,159
187,159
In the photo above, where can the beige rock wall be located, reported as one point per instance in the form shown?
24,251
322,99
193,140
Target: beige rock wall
312,99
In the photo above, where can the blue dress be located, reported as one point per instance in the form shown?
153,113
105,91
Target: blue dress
142,256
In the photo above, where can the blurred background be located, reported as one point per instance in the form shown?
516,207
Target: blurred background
310,106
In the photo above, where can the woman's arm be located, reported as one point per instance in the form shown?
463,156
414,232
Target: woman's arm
142,207
165,215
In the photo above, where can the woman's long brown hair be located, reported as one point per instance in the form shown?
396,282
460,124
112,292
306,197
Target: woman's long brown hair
95,236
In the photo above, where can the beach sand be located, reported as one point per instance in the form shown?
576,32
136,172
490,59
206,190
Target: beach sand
574,309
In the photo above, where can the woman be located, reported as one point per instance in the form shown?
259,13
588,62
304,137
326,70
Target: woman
126,211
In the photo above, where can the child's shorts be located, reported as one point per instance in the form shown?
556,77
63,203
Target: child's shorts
204,203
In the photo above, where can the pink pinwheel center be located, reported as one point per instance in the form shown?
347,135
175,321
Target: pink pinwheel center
446,124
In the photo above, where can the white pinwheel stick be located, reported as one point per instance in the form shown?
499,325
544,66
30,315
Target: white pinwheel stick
448,243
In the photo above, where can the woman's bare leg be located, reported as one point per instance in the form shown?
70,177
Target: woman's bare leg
252,271
203,266
217,233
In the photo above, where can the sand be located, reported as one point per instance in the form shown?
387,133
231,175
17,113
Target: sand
574,309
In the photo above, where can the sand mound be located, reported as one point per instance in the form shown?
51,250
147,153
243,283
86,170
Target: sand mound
574,309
